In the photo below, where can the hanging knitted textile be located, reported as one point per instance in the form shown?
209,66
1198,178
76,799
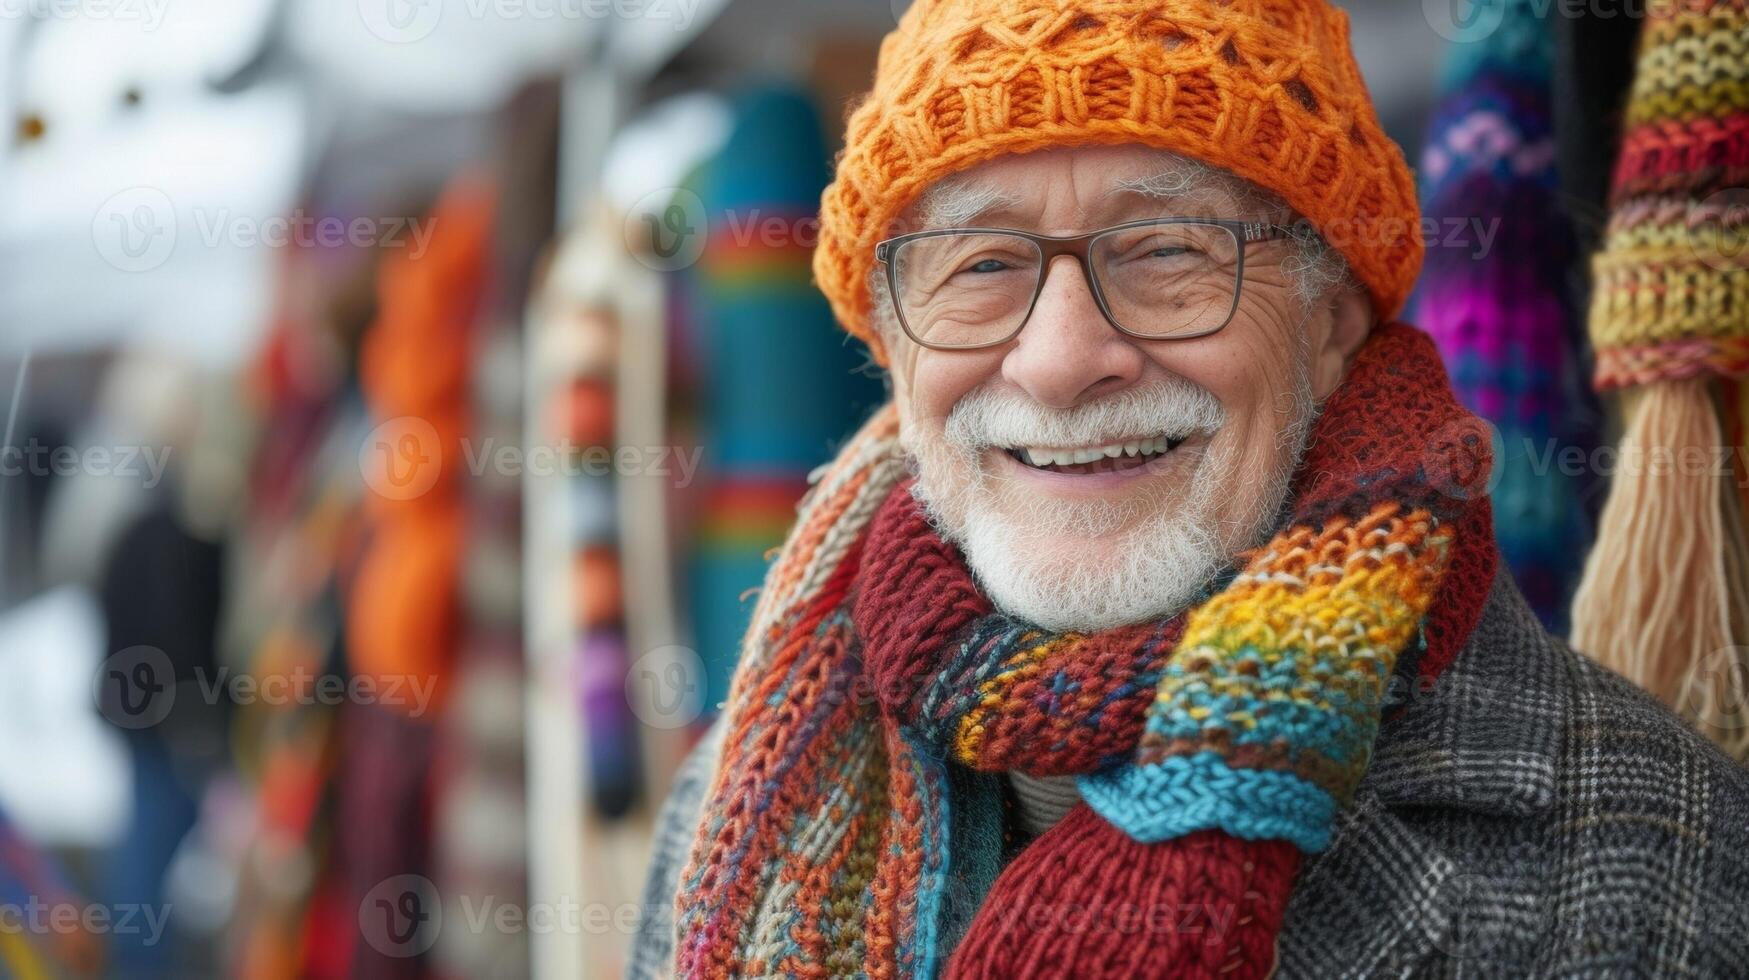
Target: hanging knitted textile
779,391
1663,598
1494,296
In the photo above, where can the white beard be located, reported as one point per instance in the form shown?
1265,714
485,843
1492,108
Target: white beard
1158,551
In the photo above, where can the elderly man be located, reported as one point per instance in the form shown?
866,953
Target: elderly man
1157,628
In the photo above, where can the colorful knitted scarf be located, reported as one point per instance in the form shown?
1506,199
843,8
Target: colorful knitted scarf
850,828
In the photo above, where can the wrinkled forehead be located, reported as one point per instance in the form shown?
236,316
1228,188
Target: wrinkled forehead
1086,187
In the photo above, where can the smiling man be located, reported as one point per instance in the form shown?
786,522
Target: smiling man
1156,628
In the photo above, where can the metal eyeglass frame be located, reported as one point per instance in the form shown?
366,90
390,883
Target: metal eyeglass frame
1245,233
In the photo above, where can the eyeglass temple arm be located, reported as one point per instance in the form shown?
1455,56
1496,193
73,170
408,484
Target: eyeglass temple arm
1263,231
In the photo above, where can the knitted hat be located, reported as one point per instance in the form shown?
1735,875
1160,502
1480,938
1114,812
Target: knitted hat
1672,282
1266,89
1665,596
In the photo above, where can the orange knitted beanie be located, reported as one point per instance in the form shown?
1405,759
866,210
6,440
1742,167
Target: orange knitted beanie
1266,89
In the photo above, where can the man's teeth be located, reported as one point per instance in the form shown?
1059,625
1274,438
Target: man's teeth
1043,456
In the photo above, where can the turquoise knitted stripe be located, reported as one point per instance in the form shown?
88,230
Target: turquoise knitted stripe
923,952
1184,794
1286,705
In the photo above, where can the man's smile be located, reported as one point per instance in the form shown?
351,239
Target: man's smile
1099,475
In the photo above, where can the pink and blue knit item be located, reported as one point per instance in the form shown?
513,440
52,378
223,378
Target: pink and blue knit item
1495,295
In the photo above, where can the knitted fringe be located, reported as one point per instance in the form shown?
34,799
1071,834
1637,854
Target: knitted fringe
1662,597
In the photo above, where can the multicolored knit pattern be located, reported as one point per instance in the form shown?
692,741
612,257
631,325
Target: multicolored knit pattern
1671,297
1213,748
778,388
1494,290
1277,692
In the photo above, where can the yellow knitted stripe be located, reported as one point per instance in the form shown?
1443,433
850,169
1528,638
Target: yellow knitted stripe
969,739
1683,103
1647,295
1722,31
1677,226
1335,599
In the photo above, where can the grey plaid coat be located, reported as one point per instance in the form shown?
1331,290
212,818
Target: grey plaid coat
1532,814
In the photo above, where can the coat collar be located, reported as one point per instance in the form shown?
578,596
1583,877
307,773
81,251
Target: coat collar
1485,735
1486,739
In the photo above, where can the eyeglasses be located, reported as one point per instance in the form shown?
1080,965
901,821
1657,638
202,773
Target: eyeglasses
1159,279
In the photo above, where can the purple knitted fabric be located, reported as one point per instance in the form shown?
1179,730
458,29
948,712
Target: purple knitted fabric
1495,296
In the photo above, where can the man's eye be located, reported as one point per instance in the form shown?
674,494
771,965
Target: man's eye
1169,251
987,266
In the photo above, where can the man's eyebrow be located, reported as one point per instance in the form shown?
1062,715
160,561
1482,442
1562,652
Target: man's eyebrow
952,203
1182,181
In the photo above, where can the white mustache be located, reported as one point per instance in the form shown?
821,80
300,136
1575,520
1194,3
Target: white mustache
1005,418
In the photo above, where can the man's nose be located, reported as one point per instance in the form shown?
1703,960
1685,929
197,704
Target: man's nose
1068,352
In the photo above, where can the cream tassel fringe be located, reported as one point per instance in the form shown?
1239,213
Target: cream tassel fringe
1659,595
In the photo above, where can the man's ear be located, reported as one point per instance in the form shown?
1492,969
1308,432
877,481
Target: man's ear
1350,320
